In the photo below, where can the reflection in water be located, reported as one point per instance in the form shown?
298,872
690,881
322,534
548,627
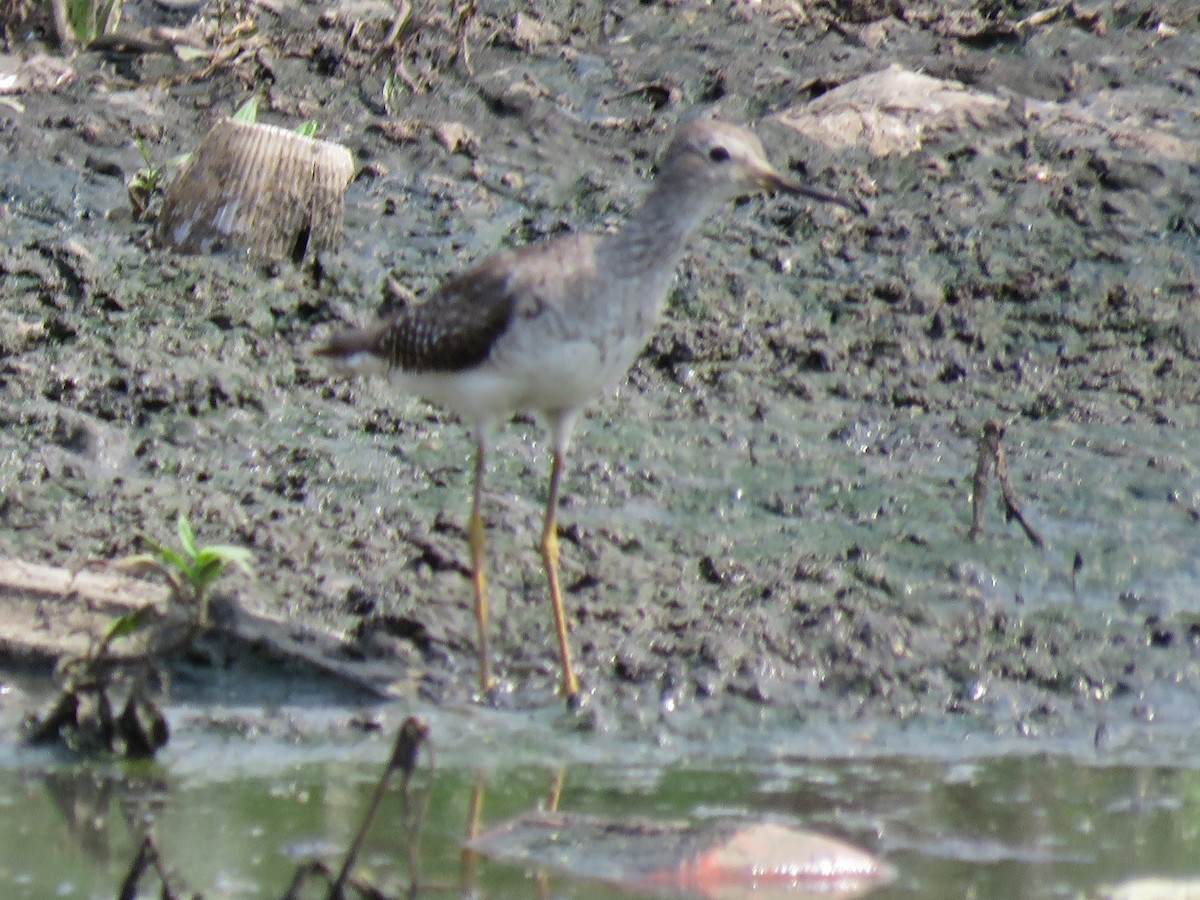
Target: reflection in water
1036,826
468,882
83,797
410,738
469,857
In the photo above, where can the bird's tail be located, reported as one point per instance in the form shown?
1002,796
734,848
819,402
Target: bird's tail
353,350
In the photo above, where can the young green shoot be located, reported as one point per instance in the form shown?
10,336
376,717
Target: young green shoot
145,183
90,19
191,570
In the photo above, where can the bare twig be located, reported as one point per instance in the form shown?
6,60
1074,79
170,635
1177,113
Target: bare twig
1012,507
989,447
400,26
148,857
464,18
991,459
304,872
409,739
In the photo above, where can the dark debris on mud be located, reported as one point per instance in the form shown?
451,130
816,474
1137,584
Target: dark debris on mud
1005,272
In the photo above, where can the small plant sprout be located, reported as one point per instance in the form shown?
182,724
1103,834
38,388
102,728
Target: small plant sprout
391,94
248,111
192,570
145,183
90,19
247,114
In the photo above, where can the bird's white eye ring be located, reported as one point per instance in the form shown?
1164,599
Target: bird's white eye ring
718,154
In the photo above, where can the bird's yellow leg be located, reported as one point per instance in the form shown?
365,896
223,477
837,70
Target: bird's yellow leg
475,539
549,546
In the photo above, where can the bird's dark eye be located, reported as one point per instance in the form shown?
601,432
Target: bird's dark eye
718,154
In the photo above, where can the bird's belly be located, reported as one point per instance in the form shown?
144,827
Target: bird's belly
562,375
479,394
558,376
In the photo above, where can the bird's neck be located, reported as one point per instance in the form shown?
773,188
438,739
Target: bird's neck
654,235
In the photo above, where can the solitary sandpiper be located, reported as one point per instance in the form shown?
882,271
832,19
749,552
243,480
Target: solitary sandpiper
549,327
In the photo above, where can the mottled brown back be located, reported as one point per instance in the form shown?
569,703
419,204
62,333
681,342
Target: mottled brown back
451,331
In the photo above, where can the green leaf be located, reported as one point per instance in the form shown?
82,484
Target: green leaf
91,18
145,151
170,558
307,129
187,537
248,111
228,554
204,573
126,624
108,16
82,16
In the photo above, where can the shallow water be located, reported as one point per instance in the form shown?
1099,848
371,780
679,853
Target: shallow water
234,817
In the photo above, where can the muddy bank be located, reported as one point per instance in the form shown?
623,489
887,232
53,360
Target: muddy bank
774,509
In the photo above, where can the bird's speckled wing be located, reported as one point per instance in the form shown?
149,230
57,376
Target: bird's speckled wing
456,328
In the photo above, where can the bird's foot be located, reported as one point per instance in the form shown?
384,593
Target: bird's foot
497,694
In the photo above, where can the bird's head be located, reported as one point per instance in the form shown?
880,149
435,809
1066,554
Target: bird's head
730,161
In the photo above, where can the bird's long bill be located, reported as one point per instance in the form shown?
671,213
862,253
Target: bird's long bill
772,180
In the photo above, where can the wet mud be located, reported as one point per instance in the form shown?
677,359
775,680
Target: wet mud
774,512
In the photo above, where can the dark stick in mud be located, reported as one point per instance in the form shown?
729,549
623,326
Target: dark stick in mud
991,459
412,735
147,858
